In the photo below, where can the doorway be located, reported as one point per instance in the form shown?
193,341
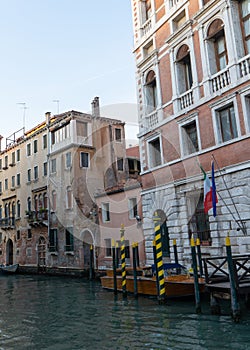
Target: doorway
9,252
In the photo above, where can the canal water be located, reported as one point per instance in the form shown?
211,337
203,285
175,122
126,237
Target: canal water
55,313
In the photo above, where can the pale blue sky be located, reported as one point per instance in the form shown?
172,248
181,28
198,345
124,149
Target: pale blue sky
66,50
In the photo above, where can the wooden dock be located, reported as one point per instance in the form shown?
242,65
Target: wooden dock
219,283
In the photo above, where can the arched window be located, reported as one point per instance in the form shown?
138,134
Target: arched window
184,69
45,201
13,209
217,49
6,210
36,203
40,201
150,91
245,16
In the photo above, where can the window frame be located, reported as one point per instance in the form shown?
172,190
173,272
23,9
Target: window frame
105,212
184,141
132,208
82,161
154,164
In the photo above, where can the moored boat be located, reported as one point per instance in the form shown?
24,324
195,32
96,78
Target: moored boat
178,283
9,269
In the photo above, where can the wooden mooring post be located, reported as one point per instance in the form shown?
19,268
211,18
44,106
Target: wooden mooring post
135,269
91,263
114,266
198,246
235,306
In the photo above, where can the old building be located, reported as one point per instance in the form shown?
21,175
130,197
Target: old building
48,180
121,204
193,69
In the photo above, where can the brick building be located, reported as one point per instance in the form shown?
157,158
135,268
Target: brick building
192,72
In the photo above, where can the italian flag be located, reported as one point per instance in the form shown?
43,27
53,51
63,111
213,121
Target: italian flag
210,197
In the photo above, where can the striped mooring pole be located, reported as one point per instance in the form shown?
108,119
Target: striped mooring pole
156,272
124,282
114,266
196,280
235,306
159,260
198,246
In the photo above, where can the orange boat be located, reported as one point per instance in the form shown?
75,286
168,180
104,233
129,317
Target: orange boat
177,284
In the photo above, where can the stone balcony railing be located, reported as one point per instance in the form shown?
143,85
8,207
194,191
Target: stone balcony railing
146,27
244,66
152,120
220,80
186,99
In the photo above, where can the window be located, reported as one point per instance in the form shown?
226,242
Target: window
36,203
150,92
6,184
6,162
53,166
133,210
29,235
154,148
1,212
179,20
53,200
216,46
69,239
18,179
105,212
45,169
108,250
68,160
35,172
82,129
18,155
18,209
1,187
28,149
245,15
18,235
13,158
29,175
69,198
146,10
35,146
246,111
134,166
120,164
184,69
13,181
1,165
45,141
84,160
199,223
189,138
29,204
53,240
118,134
226,124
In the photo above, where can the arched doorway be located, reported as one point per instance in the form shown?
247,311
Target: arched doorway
41,250
9,252
164,234
87,240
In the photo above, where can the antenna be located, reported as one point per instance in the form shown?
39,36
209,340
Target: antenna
57,101
24,109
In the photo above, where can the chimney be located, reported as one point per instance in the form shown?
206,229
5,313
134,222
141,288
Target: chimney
95,107
47,117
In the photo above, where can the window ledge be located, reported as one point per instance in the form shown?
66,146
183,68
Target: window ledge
69,253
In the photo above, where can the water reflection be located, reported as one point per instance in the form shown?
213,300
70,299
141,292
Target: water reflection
63,313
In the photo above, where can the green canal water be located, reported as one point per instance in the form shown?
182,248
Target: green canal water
54,313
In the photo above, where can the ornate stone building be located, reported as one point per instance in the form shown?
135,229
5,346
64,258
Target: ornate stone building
192,72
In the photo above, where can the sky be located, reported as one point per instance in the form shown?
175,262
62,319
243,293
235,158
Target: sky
57,55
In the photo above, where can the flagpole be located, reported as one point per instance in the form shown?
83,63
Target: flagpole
237,221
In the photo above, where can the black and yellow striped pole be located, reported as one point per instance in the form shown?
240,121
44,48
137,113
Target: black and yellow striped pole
198,246
124,282
159,259
156,272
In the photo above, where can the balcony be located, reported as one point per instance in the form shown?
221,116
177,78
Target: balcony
37,218
220,80
152,120
186,99
146,27
244,66
7,223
